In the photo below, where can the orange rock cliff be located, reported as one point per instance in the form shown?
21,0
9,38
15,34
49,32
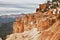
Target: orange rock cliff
46,19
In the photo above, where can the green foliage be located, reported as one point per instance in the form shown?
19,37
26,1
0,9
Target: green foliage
5,29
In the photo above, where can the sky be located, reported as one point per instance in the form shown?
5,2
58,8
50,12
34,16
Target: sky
8,7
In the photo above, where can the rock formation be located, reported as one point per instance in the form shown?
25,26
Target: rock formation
46,20
52,33
18,26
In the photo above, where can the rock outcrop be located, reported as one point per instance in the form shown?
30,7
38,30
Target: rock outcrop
27,35
52,33
18,26
46,22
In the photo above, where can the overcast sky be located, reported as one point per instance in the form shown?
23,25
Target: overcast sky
8,7
24,1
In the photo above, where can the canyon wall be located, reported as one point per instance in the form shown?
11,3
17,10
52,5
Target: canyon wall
46,20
